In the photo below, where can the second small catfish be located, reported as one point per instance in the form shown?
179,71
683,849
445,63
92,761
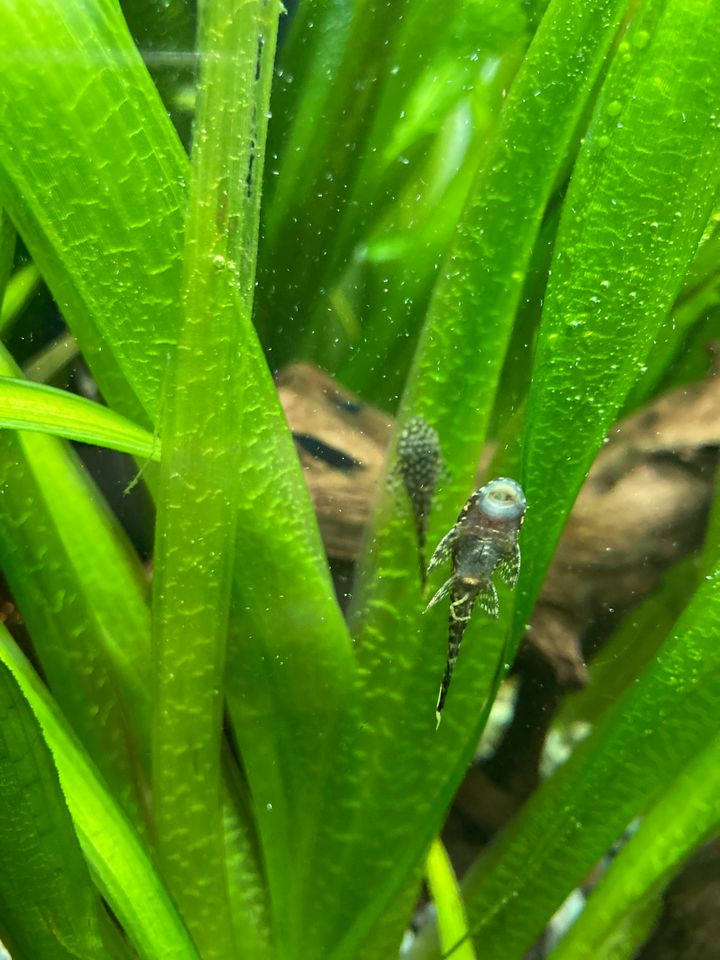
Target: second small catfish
420,467
483,540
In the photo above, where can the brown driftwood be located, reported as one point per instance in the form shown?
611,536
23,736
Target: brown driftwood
341,444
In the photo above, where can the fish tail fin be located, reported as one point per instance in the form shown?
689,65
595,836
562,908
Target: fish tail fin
460,610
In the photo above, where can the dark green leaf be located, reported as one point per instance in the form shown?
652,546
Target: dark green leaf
48,906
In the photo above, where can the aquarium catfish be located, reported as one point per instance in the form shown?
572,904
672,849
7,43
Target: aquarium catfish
483,540
420,467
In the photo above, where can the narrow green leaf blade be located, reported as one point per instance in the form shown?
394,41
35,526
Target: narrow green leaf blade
20,288
48,907
451,918
198,488
32,406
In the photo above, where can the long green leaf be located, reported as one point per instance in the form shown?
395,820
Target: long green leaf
48,907
641,195
103,222
385,818
619,261
32,406
120,863
198,480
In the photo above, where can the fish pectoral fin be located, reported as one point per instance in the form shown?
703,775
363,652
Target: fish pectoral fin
487,600
442,550
442,592
509,567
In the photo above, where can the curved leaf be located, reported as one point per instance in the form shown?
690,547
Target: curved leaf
687,812
103,223
32,406
81,594
118,287
48,907
121,865
640,197
634,751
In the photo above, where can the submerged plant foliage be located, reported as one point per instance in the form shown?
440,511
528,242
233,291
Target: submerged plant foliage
493,216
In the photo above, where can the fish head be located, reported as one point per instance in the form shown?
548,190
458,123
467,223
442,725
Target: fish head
502,499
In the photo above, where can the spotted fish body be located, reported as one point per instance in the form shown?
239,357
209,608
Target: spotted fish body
420,467
483,540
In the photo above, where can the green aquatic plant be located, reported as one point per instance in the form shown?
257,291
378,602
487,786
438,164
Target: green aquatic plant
499,218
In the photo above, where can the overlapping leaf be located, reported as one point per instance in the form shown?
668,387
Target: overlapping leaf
49,909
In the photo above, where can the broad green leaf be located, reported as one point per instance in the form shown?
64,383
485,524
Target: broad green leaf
640,197
92,174
686,813
120,863
695,304
31,406
385,816
451,918
198,477
635,750
48,907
